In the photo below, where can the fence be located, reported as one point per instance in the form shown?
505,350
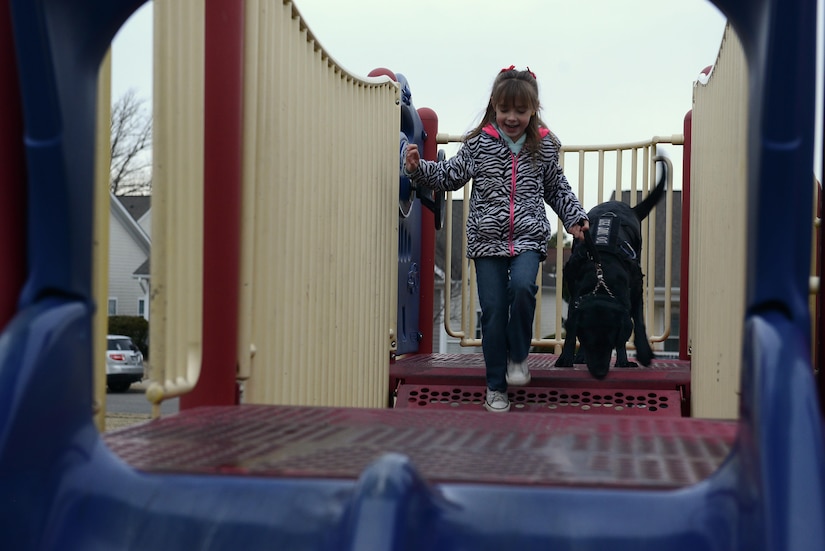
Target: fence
597,173
319,235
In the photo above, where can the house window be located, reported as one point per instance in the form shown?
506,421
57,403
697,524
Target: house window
142,307
112,307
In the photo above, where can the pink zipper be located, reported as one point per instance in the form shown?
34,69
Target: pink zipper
513,206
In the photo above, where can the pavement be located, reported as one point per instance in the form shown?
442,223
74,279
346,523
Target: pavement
121,420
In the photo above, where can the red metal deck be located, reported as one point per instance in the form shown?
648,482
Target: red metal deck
625,431
446,446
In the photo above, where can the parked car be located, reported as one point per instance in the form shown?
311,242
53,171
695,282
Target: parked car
124,363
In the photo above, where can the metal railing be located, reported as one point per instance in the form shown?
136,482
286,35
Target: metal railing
587,168
320,193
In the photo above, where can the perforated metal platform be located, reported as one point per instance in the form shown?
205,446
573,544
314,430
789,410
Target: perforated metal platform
663,388
543,399
445,446
462,368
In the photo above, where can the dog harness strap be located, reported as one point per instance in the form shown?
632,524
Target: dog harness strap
591,247
601,283
594,254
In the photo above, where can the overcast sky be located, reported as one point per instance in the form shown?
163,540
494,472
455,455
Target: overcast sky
625,74
609,71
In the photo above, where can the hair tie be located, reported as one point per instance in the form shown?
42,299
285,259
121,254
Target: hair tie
513,67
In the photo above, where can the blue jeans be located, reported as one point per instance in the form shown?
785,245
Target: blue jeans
507,295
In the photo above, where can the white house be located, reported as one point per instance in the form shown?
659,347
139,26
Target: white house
129,248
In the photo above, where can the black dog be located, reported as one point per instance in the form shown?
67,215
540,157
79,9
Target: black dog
604,279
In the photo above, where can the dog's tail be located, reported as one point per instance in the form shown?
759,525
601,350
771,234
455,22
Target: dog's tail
653,198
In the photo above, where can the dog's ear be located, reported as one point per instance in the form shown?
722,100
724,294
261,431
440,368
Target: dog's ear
572,275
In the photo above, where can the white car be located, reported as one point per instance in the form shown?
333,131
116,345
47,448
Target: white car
124,363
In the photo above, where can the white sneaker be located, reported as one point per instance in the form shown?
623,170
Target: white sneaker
518,374
497,401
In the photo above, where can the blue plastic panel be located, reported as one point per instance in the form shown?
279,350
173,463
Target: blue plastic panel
409,235
62,488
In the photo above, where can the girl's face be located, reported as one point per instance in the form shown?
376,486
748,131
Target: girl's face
513,118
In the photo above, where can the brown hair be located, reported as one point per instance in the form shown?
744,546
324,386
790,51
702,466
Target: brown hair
511,87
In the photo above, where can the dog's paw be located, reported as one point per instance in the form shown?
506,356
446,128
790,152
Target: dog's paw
628,363
565,360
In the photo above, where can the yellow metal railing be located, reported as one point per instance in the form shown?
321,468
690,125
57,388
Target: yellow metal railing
320,224
175,300
320,193
718,233
633,169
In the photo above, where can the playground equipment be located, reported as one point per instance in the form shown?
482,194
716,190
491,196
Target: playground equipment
351,478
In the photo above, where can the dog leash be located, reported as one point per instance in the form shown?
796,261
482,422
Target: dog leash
594,255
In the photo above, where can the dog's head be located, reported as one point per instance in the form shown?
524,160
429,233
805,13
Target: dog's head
602,324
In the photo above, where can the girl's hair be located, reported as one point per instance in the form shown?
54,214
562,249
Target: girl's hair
513,87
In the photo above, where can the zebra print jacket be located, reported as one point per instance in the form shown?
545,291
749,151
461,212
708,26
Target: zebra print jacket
507,215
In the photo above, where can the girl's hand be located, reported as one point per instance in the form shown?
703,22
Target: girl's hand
577,230
412,158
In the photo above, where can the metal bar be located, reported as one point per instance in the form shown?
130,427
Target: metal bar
223,129
547,337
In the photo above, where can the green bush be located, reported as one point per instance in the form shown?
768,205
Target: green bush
132,326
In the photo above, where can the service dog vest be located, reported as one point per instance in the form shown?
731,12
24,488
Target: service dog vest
607,236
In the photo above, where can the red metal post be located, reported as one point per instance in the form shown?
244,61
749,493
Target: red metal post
684,273
425,307
12,175
223,129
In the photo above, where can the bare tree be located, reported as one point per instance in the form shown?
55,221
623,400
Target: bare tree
130,169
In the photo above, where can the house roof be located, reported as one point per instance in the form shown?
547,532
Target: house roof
135,205
143,270
127,209
119,211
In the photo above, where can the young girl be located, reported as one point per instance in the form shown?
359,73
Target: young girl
513,160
